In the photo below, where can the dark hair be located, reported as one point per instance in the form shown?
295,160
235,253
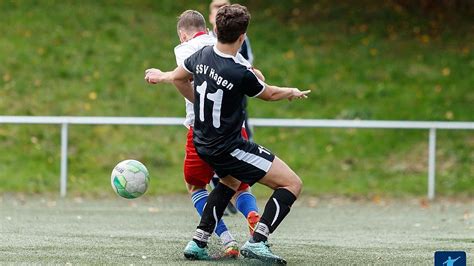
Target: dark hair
191,20
231,22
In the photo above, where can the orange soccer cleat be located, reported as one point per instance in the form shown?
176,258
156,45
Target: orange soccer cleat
231,250
252,219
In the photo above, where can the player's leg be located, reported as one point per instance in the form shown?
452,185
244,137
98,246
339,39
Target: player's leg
287,187
197,174
230,208
246,203
199,196
212,213
251,163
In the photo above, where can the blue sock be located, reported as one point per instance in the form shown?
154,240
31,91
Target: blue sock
199,198
246,203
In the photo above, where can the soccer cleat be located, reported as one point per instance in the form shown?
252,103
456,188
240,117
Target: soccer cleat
231,251
260,251
252,220
193,252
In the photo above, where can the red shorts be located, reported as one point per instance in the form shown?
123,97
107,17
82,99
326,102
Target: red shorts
196,171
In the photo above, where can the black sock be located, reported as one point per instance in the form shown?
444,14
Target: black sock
278,206
212,213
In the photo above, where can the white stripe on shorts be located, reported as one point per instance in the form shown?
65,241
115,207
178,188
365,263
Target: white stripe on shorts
255,160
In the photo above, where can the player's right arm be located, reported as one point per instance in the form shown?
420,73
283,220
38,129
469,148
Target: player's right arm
181,80
179,77
183,74
275,93
155,76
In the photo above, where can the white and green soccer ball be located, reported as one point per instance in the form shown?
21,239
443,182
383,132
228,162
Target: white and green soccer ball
130,179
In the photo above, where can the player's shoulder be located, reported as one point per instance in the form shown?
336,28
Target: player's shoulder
184,48
204,52
240,59
235,61
195,44
205,40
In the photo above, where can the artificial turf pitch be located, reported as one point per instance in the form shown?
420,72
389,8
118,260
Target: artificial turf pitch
154,230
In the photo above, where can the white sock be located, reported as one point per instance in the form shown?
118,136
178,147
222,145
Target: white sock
227,238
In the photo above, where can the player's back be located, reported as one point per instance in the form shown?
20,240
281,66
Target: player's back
220,83
185,50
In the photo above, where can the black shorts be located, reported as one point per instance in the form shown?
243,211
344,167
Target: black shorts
249,162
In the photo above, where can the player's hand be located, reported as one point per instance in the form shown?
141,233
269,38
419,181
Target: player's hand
297,94
153,76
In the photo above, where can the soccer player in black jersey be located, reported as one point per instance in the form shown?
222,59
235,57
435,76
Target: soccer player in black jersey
220,85
246,51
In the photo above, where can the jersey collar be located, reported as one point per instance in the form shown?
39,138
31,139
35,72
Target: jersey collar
221,54
199,33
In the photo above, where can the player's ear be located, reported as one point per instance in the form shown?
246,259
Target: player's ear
182,36
242,38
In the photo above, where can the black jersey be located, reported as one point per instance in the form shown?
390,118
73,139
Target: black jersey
220,83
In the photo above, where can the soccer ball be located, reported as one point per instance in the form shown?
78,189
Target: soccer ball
130,179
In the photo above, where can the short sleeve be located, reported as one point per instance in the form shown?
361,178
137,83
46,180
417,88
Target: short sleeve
190,63
251,84
182,52
239,58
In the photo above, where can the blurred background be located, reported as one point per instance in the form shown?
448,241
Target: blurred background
370,60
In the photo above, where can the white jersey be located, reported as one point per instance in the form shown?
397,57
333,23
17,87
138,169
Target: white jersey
185,50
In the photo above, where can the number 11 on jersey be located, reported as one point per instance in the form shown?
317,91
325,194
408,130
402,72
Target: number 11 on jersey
216,99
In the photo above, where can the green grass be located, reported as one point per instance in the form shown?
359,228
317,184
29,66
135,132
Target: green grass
151,231
362,60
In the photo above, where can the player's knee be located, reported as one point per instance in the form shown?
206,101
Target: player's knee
296,185
230,182
241,190
193,188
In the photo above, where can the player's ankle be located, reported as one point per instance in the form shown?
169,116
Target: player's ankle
201,238
200,244
226,238
261,233
258,238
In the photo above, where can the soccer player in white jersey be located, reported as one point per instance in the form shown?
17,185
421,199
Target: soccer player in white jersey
192,33
220,84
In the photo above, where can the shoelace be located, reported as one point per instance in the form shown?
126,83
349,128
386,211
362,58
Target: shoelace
267,244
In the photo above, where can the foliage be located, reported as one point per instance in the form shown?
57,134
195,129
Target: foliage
364,60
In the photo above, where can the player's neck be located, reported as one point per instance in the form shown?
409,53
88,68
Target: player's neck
226,48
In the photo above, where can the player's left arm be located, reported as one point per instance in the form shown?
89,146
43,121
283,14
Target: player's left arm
256,88
275,93
259,74
241,60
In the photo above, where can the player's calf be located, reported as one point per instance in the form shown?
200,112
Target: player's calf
287,186
212,213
